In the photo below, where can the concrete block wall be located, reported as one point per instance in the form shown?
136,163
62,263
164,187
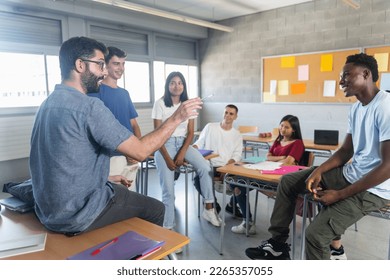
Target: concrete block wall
231,62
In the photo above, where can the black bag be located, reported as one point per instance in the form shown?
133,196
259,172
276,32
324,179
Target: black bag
21,190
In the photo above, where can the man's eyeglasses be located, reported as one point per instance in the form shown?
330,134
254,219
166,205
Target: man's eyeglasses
99,62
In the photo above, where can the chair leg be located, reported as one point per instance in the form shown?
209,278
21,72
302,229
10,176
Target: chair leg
186,194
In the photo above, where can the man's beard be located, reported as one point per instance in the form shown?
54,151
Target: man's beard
90,82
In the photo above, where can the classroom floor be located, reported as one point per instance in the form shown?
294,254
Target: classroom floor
369,242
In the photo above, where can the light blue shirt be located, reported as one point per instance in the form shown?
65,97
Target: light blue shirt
71,140
369,125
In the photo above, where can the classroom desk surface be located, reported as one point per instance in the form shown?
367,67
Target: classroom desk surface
309,144
319,150
58,246
238,170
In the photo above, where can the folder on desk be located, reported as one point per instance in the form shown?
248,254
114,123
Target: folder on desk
205,153
285,169
254,159
128,246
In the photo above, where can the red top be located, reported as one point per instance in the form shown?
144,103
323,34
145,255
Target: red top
294,149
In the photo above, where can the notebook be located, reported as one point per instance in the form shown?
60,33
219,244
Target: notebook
205,152
326,137
15,204
253,159
22,245
128,246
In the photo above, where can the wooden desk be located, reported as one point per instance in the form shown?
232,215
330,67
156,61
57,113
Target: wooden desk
247,178
251,179
261,142
59,246
320,150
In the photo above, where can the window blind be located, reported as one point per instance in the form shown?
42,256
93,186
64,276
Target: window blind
25,29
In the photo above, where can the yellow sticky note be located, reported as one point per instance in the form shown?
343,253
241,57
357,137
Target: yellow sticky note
298,88
268,97
287,62
383,61
326,62
283,87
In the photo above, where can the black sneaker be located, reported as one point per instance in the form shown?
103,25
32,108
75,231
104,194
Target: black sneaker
237,213
337,254
269,250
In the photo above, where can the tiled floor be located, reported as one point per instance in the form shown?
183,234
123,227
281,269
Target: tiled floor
369,242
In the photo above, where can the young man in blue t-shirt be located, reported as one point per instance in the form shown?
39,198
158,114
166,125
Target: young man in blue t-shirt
119,102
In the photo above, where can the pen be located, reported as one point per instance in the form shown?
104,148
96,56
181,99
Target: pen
207,97
98,250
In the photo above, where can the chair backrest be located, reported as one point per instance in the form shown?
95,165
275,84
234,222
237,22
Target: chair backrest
307,159
247,128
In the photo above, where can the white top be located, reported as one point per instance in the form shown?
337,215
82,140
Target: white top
226,143
162,112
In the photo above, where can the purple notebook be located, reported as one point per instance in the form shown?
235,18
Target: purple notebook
128,246
205,152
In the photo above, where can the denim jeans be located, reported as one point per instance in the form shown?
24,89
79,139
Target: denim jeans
167,182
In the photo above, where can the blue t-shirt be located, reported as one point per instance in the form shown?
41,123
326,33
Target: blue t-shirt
369,126
119,102
71,140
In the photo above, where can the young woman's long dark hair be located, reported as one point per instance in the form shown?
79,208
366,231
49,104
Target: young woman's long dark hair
294,122
167,95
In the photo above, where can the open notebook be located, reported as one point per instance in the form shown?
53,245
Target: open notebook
128,246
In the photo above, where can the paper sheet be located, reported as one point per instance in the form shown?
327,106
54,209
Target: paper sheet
265,165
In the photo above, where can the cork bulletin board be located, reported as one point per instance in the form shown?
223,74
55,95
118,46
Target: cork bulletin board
382,55
311,77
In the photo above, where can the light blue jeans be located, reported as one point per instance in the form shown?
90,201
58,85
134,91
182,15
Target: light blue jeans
167,182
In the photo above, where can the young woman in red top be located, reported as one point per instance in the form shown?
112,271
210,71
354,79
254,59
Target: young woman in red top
288,147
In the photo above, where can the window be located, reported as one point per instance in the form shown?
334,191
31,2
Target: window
24,81
136,80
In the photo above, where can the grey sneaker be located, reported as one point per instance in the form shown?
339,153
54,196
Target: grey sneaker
218,186
211,216
241,228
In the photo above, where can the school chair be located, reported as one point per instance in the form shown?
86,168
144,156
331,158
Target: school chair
248,147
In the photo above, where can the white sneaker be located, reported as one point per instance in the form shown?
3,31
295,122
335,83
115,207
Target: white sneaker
241,228
211,216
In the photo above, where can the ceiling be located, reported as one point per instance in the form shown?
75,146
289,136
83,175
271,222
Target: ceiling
215,10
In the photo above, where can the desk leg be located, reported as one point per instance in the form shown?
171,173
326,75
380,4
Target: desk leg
221,236
172,257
